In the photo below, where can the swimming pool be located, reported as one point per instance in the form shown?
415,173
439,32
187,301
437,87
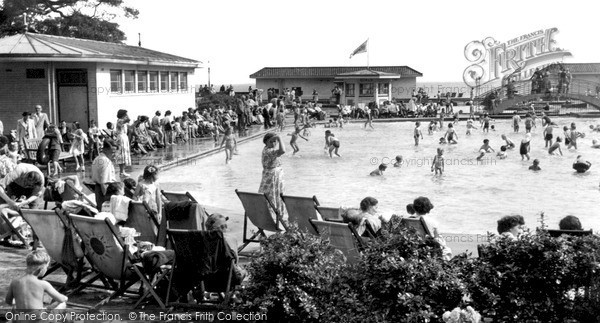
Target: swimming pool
469,198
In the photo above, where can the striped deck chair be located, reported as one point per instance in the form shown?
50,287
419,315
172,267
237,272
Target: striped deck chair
329,213
300,210
417,224
143,220
7,228
107,253
341,236
50,228
178,196
258,209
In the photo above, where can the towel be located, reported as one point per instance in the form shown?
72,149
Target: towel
178,210
119,207
60,186
185,215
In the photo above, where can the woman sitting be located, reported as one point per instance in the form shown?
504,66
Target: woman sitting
510,227
422,206
366,215
570,222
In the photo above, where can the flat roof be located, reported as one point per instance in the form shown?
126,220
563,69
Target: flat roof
40,47
331,71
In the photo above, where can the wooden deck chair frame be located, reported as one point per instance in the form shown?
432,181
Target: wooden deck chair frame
348,233
174,235
96,246
557,233
52,238
329,213
141,217
264,222
419,225
178,196
90,186
78,192
300,210
11,230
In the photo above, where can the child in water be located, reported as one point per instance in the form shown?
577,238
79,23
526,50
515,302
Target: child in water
509,143
535,166
443,141
327,134
502,153
230,143
470,126
295,136
486,146
417,133
379,171
594,143
398,162
525,147
438,162
451,135
334,145
555,146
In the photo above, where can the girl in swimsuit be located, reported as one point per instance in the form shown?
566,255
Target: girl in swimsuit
524,149
555,146
451,135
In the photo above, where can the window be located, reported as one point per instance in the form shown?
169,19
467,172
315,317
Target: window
173,81
142,81
129,81
115,81
349,89
383,88
153,81
366,89
164,81
35,73
183,82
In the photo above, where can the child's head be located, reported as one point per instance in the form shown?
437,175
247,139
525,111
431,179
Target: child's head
418,123
450,125
228,131
410,209
328,132
382,167
442,139
216,222
129,183
536,162
399,158
503,148
565,128
486,141
493,127
37,262
440,151
573,125
109,125
114,188
558,139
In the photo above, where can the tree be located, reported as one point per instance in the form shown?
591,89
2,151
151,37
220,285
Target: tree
70,18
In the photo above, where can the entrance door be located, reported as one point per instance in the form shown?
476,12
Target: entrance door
73,97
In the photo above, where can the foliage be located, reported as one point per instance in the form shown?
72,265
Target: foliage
536,279
70,18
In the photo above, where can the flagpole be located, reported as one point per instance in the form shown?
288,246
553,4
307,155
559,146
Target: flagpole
368,53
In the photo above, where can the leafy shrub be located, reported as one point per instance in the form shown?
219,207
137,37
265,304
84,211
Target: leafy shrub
536,279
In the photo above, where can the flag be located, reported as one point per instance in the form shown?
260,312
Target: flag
360,49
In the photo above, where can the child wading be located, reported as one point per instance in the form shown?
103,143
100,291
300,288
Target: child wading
418,134
230,144
438,162
295,136
334,145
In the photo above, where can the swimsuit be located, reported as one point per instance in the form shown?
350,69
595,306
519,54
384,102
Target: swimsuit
336,144
523,150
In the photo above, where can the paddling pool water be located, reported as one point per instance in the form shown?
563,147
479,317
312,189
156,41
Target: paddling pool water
468,198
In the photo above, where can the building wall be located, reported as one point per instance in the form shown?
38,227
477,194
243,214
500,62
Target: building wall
19,94
139,103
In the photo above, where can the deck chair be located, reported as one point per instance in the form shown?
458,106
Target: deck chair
6,226
300,210
50,228
259,210
417,224
178,196
140,217
578,233
90,186
329,213
107,253
203,263
341,236
195,219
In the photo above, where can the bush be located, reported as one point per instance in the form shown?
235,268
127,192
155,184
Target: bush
537,279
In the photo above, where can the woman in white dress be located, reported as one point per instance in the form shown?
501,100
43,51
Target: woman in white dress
123,156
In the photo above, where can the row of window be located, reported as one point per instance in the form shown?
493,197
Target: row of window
367,89
129,81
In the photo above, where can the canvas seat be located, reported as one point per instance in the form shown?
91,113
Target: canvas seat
258,209
204,263
300,210
142,219
557,233
329,213
418,225
178,196
111,257
341,236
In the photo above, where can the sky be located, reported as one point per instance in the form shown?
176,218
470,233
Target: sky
237,38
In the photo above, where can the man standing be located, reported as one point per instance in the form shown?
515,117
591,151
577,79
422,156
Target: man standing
41,121
25,128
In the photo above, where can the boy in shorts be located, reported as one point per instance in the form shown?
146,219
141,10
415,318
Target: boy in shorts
334,145
27,292
54,148
438,162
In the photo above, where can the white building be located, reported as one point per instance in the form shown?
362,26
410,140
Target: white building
359,84
82,80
